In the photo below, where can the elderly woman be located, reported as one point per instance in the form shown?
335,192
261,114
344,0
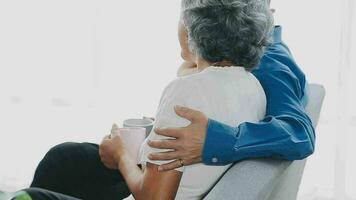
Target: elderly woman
225,39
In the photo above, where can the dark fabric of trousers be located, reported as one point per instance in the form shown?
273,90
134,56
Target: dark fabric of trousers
42,194
75,169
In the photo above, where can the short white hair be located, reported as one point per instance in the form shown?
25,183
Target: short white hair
228,30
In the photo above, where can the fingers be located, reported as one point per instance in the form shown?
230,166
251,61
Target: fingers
115,130
187,113
163,144
106,137
108,163
169,132
170,166
171,155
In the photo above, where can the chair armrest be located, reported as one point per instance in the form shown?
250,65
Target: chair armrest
249,180
264,179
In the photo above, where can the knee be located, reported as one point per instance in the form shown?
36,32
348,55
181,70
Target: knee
59,151
63,149
62,153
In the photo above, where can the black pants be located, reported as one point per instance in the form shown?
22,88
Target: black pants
75,170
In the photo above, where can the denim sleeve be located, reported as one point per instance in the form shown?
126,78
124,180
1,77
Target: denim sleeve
286,132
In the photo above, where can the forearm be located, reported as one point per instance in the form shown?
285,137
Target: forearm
285,138
149,184
282,137
132,174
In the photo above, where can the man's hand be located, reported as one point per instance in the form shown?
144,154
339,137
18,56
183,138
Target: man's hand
189,142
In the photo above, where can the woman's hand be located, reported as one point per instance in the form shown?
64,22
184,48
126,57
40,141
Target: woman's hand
111,150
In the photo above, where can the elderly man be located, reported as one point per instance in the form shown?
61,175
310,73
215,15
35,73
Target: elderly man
286,132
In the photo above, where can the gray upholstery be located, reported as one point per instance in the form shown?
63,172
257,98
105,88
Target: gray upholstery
267,179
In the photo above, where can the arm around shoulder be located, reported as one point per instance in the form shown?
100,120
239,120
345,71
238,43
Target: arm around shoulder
286,132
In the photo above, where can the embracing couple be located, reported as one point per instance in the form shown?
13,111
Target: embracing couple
239,95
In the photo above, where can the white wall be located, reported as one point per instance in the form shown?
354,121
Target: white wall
70,68
319,34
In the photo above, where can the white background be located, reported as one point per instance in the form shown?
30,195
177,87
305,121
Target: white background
70,68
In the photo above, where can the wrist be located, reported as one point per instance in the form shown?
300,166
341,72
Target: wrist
220,144
122,158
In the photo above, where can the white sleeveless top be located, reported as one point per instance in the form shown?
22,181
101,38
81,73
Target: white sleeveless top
230,95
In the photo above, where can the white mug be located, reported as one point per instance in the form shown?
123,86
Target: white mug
145,122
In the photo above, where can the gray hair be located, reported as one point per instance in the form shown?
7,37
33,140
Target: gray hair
228,30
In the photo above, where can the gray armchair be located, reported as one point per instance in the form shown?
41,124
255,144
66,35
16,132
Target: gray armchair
267,179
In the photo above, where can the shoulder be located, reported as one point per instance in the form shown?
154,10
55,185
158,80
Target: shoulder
181,85
179,91
278,69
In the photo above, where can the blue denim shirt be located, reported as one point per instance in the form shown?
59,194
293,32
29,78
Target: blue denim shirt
286,132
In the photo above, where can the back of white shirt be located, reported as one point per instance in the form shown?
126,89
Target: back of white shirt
230,95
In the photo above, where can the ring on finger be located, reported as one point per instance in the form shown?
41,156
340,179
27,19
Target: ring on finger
181,163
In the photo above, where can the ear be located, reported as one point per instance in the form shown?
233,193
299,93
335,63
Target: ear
186,54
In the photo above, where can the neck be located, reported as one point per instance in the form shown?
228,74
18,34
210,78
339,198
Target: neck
202,64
